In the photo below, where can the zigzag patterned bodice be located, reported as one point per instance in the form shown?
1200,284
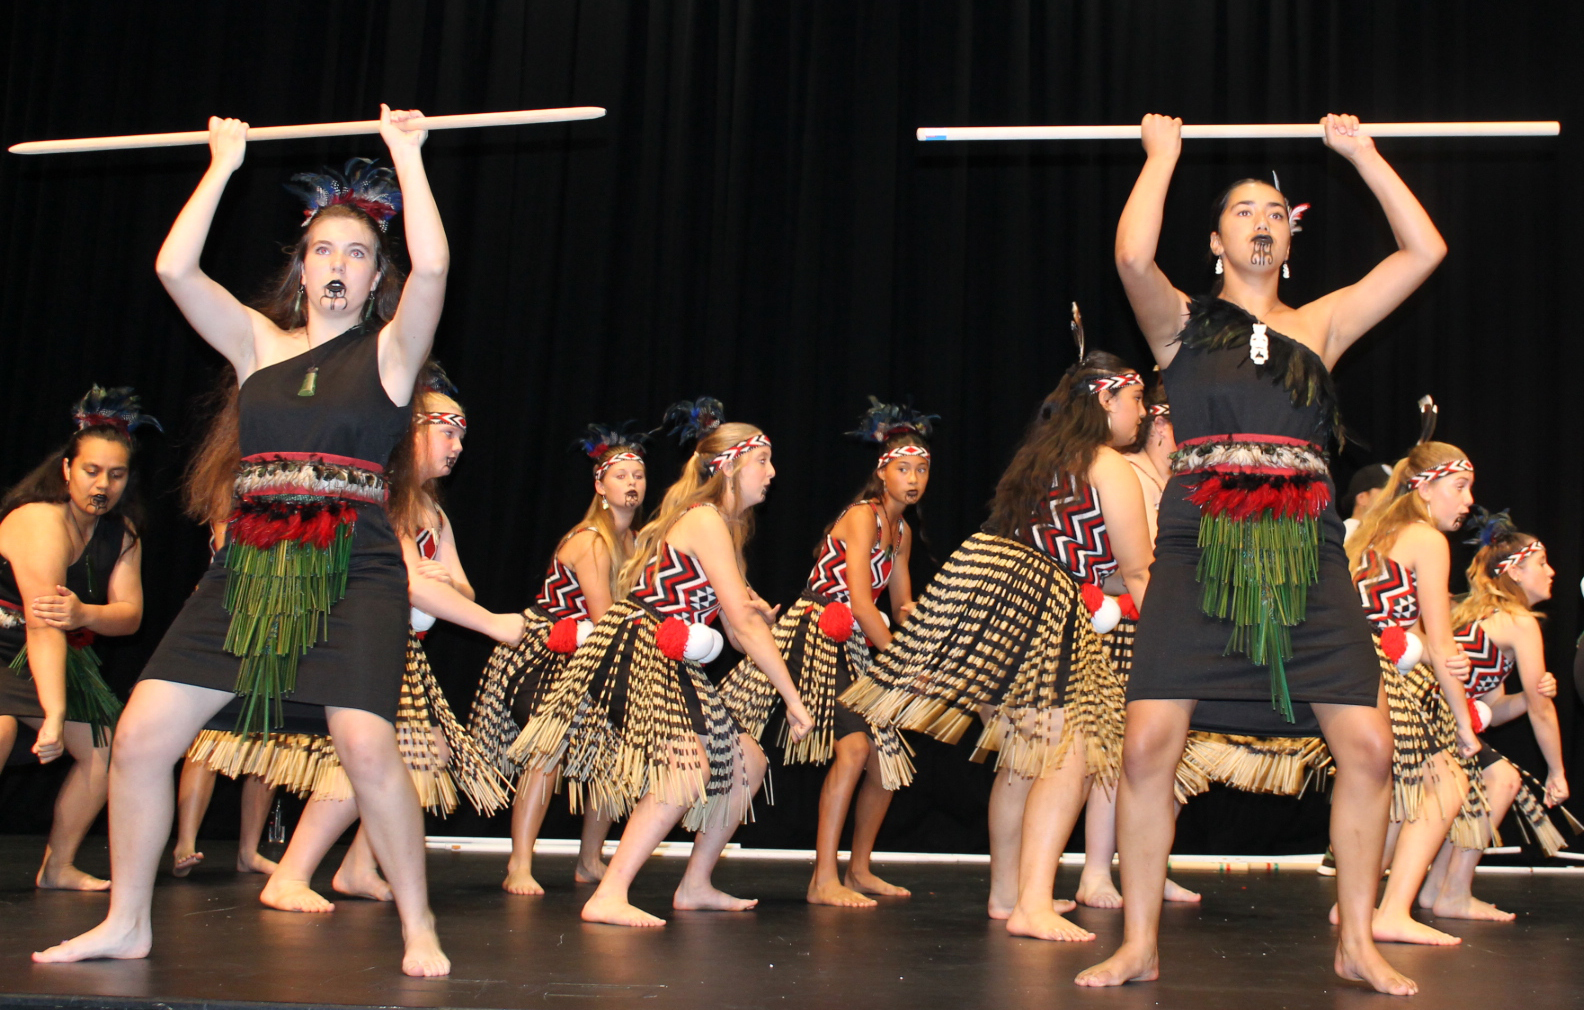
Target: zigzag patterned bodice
428,542
561,596
1071,528
1388,592
675,585
829,577
1488,665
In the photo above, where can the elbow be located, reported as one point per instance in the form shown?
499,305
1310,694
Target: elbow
1132,262
432,266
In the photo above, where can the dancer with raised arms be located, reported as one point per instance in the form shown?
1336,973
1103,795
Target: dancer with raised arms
327,369
1274,621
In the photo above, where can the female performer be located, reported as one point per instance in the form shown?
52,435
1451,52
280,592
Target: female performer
826,639
578,588
71,569
327,371
1401,563
1252,406
641,727
1498,628
1005,630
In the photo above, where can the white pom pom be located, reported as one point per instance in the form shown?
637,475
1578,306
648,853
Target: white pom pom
1107,616
1482,712
419,620
704,643
584,628
1413,652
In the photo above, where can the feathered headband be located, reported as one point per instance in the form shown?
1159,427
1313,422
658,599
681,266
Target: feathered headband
1490,526
693,420
1428,415
600,439
1103,382
360,184
882,421
1294,214
435,380
117,407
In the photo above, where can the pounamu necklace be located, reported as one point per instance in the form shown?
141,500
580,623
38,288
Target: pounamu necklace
311,377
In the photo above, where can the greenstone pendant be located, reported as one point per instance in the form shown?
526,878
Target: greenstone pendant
310,380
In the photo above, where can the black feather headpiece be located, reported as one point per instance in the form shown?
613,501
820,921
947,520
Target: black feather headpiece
1487,525
116,407
361,184
599,438
883,420
1428,412
691,420
435,380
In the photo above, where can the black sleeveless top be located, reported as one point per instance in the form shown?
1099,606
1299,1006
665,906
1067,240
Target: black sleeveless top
349,414
88,577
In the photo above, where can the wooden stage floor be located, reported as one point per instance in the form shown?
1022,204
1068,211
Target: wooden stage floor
1259,942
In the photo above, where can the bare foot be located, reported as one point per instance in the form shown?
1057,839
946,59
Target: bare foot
423,957
1430,890
361,885
293,896
1179,893
1129,964
709,899
1404,928
251,863
1098,891
520,880
104,940
183,863
1369,967
833,893
1061,906
1045,924
585,873
865,882
69,878
1470,907
1333,916
617,913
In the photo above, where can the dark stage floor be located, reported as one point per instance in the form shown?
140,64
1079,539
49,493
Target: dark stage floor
1259,942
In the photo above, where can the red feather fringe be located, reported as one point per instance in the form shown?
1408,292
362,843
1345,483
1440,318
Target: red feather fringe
1243,496
837,621
563,636
81,638
1394,642
1093,597
672,638
263,524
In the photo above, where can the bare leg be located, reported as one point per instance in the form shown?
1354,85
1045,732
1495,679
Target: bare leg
591,848
1054,803
322,823
8,735
646,828
697,891
826,888
77,805
358,876
874,799
256,799
192,802
1008,796
388,801
1095,888
528,812
1417,844
1455,896
159,724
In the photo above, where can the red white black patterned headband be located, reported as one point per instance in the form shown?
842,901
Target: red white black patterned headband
1516,558
625,456
899,452
726,455
1424,477
1160,410
444,417
1114,382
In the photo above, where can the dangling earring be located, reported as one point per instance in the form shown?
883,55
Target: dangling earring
1219,270
604,503
1285,272
297,303
368,307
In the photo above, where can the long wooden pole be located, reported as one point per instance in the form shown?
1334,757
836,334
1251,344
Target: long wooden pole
1235,131
307,130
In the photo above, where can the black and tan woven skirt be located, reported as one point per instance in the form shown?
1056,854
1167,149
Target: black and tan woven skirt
440,755
515,683
1422,727
1534,818
821,668
624,720
1001,632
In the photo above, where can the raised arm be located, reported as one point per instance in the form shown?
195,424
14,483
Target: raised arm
1431,560
407,338
1355,309
1126,520
1161,309
1528,649
225,323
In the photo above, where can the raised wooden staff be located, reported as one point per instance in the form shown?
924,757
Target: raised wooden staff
1240,131
307,130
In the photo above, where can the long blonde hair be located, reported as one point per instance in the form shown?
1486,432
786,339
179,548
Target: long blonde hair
697,485
1397,506
604,525
1490,593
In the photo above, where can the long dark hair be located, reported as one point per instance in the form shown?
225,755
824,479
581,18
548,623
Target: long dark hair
1060,444
47,481
281,303
209,479
873,490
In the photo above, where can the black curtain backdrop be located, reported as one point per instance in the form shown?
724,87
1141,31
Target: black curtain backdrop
755,220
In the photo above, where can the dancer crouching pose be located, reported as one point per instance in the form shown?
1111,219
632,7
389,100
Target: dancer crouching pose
1005,630
641,727
826,639
578,589
70,569
324,400
1252,409
1498,629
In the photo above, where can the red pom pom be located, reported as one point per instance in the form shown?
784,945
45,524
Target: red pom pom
1394,642
1093,597
563,636
1129,608
837,621
1475,719
672,638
